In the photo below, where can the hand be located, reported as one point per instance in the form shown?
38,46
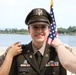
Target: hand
56,42
14,49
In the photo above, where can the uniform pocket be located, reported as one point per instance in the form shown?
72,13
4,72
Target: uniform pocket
24,70
52,70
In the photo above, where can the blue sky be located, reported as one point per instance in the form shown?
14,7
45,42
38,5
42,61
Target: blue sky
13,12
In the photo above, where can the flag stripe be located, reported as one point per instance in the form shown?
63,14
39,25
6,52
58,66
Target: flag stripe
53,28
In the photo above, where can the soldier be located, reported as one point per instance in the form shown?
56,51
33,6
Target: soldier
2,57
28,62
37,57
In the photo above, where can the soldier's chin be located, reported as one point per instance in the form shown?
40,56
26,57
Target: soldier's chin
39,40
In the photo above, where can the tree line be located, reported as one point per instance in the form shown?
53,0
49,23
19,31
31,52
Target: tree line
70,31
13,31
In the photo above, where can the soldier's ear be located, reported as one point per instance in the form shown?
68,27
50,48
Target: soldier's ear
29,29
49,29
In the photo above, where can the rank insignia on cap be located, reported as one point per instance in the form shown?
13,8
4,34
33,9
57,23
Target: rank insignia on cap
38,12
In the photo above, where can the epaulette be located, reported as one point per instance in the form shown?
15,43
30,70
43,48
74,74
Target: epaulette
23,48
23,45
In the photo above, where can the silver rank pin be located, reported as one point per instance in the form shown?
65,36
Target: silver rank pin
39,12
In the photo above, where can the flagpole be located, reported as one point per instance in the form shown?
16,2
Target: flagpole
51,3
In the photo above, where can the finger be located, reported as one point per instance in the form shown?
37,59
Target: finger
8,48
16,43
20,50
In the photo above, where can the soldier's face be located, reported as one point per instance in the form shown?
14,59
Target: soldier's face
39,31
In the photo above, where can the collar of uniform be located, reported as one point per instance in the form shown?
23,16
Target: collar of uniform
41,50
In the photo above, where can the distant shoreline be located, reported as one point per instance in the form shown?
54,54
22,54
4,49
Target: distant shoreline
28,34
71,30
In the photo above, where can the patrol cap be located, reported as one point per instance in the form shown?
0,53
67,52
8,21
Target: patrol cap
38,15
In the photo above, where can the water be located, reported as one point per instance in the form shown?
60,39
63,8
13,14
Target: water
7,39
68,39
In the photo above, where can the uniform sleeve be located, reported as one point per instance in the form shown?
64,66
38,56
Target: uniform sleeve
2,57
13,70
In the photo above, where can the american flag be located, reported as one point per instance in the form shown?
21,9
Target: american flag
53,28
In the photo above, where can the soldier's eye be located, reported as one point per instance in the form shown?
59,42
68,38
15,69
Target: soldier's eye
35,27
39,26
43,27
